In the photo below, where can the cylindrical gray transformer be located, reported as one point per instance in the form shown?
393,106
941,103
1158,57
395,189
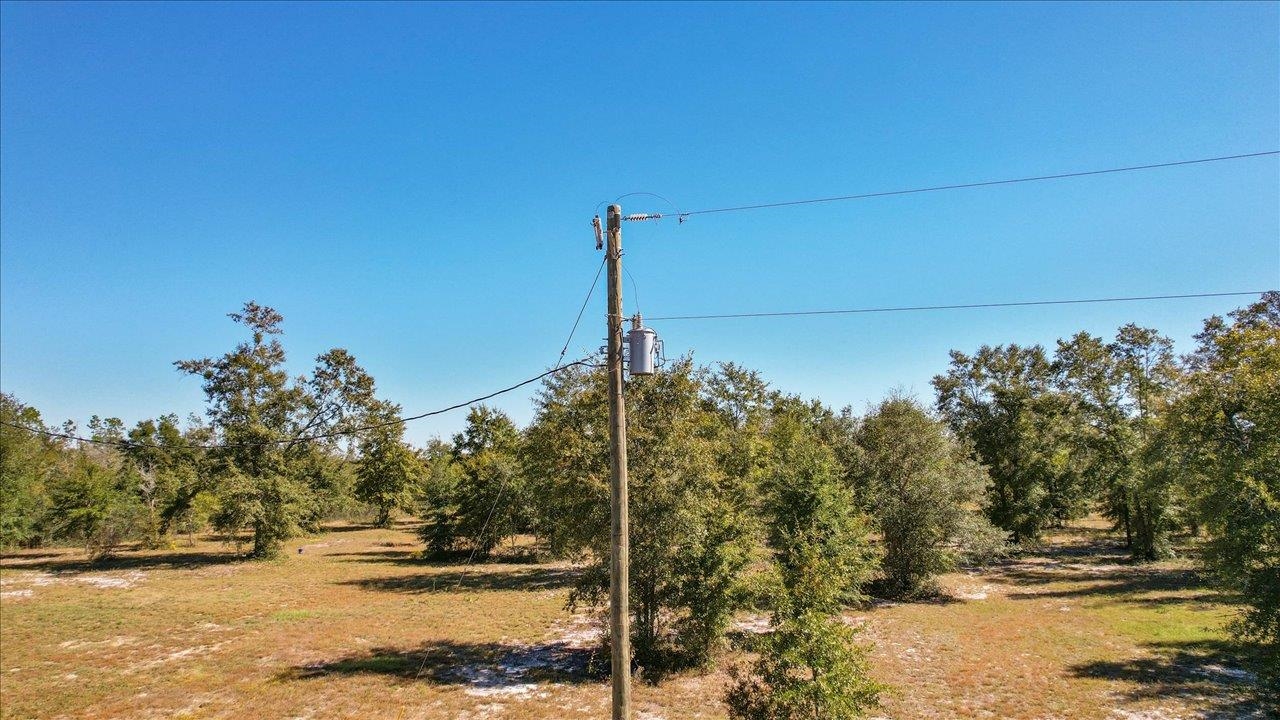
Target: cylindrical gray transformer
641,343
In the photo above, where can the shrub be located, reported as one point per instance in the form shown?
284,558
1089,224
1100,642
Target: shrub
924,494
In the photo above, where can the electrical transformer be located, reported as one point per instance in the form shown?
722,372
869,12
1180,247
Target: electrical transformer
643,346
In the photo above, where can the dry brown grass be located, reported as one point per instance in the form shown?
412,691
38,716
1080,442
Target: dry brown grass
358,626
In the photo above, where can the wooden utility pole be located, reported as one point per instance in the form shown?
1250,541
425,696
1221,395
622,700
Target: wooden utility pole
619,561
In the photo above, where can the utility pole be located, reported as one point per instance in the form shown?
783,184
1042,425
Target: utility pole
619,560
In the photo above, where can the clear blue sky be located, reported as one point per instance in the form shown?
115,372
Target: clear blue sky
415,183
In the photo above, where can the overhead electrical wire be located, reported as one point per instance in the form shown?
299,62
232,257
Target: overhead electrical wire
488,518
306,438
589,362
559,366
684,214
967,306
681,215
635,291
581,310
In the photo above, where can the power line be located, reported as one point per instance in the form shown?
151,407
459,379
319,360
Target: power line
919,308
635,291
307,438
986,183
581,310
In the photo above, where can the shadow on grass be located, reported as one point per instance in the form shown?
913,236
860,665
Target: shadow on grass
475,578
1217,674
1116,582
344,527
144,560
445,559
395,557
30,555
878,598
485,668
1099,566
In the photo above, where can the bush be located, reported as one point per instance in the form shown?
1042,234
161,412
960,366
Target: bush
809,668
476,496
94,503
27,461
924,494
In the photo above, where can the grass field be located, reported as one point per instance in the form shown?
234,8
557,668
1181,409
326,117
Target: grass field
357,625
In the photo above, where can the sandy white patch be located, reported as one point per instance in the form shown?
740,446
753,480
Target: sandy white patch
16,594
114,642
502,680
520,692
1101,569
18,579
579,632
507,677
974,593
176,655
102,582
125,581
1230,674
753,624
317,545
1152,714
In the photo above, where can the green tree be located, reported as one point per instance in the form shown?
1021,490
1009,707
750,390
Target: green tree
254,408
837,431
172,472
437,496
925,492
1002,402
817,536
94,493
743,402
689,537
387,472
810,666
28,462
270,477
92,504
1120,389
1150,377
566,456
487,502
1229,419
339,399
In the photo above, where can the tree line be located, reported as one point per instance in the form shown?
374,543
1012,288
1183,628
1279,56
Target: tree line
742,496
